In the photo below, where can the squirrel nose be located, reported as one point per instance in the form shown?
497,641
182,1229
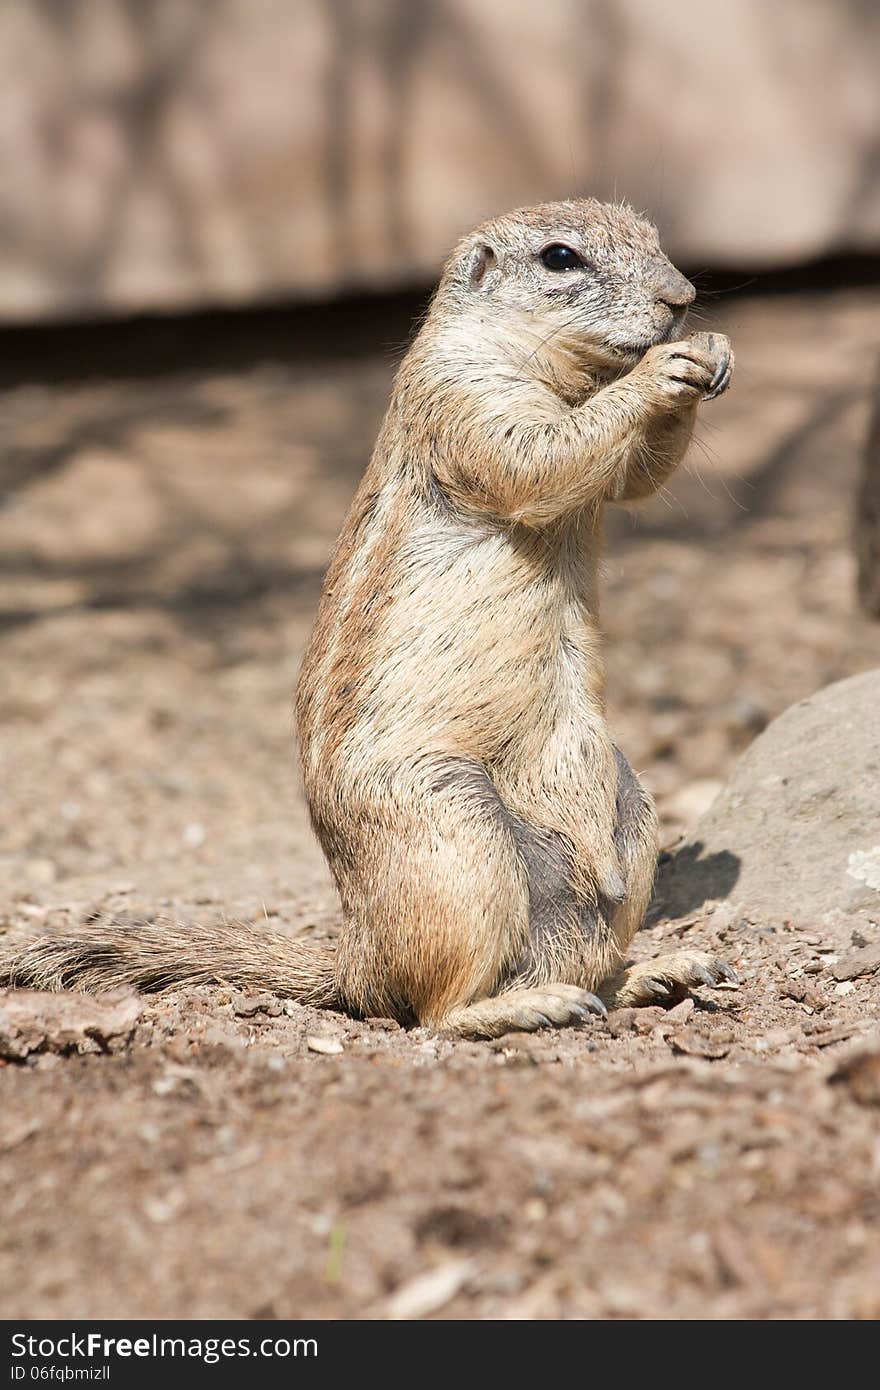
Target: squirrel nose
673,289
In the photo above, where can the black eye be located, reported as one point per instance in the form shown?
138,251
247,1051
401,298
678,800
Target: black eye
559,257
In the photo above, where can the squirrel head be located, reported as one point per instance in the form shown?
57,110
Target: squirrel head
566,287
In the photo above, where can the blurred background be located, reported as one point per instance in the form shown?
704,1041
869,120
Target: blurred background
219,220
168,154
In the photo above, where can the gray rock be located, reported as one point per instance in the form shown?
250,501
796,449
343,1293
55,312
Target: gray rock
794,835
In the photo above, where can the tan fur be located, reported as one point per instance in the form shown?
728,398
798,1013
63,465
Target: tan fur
493,852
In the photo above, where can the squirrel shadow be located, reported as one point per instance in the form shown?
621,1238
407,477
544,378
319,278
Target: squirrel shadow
686,880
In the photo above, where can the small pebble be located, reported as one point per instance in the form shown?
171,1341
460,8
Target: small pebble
330,1047
682,1012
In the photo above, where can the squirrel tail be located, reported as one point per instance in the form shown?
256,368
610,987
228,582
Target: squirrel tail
154,954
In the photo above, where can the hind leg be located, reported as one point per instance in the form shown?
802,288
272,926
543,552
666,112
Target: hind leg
652,981
646,982
636,841
440,915
524,1010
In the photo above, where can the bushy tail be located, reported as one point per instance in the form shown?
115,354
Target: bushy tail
155,953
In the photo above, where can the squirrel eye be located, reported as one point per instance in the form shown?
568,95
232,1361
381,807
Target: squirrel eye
559,257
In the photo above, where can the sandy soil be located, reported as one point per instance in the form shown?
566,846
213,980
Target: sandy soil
170,501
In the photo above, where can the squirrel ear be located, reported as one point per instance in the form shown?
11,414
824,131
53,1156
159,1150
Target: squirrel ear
481,261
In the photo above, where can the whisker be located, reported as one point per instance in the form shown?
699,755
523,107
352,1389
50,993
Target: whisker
548,337
731,289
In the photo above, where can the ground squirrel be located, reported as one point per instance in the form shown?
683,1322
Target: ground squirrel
493,849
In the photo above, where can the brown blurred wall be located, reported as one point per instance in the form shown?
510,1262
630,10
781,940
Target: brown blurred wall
172,153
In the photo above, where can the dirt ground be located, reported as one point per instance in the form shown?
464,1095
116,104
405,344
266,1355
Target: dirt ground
170,497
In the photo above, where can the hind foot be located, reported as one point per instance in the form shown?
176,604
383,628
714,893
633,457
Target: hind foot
524,1011
656,981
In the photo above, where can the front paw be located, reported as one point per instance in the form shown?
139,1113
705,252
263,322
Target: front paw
682,373
720,353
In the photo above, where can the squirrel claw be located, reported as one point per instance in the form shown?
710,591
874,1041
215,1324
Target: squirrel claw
720,381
